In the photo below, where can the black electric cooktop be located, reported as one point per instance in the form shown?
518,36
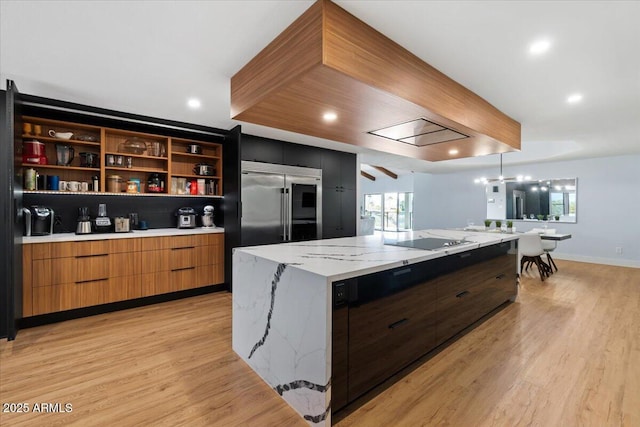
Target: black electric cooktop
427,243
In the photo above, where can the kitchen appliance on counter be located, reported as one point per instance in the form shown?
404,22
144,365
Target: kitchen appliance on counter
207,217
34,152
38,220
102,223
186,217
280,203
84,221
121,224
64,154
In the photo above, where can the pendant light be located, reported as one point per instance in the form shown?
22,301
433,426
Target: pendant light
501,178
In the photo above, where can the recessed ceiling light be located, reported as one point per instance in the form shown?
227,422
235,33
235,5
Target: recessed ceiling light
329,117
539,47
575,98
453,151
194,103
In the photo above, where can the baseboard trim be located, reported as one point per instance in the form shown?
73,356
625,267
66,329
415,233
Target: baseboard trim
597,260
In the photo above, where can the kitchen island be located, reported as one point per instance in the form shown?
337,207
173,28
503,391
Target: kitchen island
305,314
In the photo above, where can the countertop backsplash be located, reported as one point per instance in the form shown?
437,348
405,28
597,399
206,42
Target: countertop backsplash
159,212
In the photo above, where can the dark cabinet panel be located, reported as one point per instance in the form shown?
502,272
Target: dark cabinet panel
396,316
387,334
340,358
338,170
338,213
468,294
302,155
258,149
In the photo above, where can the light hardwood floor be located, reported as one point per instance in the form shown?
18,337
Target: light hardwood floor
567,353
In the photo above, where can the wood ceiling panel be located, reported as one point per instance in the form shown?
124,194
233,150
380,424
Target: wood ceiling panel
370,82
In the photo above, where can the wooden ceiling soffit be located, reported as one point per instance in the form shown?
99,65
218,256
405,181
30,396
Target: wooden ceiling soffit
368,175
385,98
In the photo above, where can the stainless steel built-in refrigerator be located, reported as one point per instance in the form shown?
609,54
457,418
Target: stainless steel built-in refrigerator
280,203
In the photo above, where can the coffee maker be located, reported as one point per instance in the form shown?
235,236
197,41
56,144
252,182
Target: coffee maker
38,221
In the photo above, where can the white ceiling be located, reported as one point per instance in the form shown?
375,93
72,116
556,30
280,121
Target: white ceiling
148,57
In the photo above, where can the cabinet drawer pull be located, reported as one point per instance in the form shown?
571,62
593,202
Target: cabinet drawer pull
401,272
462,294
89,256
500,276
183,247
465,255
104,279
398,323
183,268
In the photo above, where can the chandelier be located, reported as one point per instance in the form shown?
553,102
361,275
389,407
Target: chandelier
501,178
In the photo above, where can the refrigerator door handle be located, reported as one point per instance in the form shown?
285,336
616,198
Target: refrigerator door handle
283,214
288,213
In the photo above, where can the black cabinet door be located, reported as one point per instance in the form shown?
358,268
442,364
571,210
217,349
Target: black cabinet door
302,155
387,334
336,167
338,213
258,149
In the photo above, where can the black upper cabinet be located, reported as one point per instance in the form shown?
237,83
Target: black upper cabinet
338,170
258,149
302,155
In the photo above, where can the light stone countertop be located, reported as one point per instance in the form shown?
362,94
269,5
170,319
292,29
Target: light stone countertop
343,258
155,232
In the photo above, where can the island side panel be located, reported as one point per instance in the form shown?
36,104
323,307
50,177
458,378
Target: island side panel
281,329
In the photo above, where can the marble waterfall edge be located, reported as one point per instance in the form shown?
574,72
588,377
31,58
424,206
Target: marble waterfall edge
281,329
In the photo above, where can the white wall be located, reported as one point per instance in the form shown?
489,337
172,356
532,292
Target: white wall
608,203
385,184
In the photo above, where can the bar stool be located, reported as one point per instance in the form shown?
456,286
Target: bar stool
530,247
548,245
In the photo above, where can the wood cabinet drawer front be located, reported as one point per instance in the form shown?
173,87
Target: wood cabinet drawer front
180,242
215,239
124,245
208,255
154,261
68,296
49,272
151,244
124,288
206,275
124,264
181,258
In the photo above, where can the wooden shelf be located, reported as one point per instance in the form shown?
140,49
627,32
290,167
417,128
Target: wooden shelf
42,138
135,169
104,193
195,156
137,156
75,168
186,175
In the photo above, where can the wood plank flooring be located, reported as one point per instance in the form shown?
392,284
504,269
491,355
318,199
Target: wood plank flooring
567,353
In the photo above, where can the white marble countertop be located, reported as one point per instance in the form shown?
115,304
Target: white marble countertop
155,232
338,259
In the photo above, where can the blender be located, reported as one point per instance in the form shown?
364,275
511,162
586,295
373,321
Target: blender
84,221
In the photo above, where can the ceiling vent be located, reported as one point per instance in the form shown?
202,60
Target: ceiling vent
419,132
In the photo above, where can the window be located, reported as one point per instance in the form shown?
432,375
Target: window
393,212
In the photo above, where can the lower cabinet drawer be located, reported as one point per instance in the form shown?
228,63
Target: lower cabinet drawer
53,271
177,280
387,334
67,296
